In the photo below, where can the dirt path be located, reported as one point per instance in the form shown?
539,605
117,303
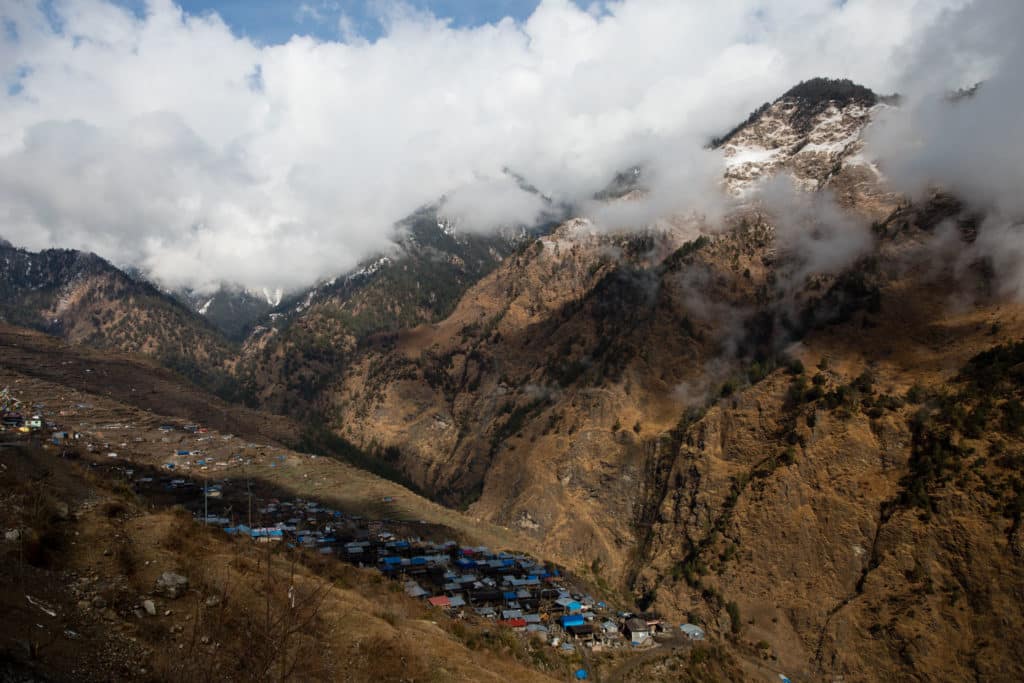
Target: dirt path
667,646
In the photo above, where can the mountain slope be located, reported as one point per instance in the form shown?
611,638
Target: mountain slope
85,300
232,310
812,133
310,338
92,540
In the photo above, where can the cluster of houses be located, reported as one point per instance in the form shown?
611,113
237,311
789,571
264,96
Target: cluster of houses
510,589
12,417
12,420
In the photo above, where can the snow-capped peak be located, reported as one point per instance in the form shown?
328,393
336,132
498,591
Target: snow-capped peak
782,136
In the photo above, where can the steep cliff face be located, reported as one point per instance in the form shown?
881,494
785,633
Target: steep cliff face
858,516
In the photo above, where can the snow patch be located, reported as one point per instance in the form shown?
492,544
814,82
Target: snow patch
750,155
833,147
446,226
273,298
370,269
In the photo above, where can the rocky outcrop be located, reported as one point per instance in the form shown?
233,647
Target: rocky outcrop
171,585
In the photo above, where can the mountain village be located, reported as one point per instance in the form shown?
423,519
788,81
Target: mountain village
212,476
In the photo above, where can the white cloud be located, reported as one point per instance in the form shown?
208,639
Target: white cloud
489,204
812,231
169,142
973,146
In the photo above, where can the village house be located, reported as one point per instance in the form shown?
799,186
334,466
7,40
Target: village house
692,631
637,631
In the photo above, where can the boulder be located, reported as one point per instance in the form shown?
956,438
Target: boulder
171,585
150,607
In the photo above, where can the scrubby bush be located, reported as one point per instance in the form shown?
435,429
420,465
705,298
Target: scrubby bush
735,622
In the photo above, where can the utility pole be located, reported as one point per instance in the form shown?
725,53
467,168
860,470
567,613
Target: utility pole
206,501
248,493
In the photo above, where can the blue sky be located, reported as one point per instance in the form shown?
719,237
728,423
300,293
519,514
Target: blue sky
275,21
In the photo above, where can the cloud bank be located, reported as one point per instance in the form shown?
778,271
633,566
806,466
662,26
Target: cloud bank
972,146
167,142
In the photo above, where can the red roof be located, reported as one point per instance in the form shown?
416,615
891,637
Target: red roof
513,623
440,601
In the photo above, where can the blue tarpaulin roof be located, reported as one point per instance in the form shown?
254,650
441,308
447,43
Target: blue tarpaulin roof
509,595
572,620
268,533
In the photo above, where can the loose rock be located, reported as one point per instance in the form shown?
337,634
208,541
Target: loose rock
172,585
